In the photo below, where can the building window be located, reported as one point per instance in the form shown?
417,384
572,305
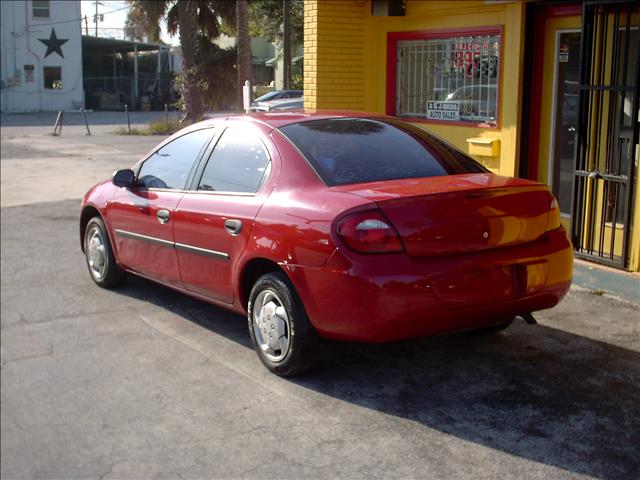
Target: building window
445,77
40,8
53,78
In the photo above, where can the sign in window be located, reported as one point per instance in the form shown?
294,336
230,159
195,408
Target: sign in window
443,110
454,78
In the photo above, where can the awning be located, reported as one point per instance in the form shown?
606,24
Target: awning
294,61
113,44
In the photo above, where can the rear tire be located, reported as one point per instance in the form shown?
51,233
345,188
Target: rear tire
281,333
101,262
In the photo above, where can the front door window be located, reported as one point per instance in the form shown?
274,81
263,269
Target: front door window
566,116
170,165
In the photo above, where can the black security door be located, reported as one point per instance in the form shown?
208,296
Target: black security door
607,137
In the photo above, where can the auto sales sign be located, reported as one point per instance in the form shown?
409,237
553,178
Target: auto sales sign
443,110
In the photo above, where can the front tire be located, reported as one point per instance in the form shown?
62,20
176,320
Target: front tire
102,265
280,330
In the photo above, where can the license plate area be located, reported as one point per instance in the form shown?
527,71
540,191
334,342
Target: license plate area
490,285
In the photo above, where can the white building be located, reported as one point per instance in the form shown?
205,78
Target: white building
41,55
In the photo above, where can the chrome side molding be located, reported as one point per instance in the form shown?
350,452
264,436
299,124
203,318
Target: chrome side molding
144,238
202,251
179,246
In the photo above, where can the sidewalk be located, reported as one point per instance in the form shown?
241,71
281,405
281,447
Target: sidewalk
604,280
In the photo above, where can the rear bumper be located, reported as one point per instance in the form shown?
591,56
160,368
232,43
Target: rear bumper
381,298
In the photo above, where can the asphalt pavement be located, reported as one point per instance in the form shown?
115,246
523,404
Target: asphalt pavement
143,382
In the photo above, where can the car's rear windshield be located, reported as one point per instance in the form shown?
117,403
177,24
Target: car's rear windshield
355,150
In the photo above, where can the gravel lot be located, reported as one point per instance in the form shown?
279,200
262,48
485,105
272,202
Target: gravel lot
144,382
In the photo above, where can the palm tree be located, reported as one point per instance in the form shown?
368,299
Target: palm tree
193,105
189,18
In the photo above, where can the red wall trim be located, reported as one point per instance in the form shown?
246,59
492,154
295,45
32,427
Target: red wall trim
563,10
541,16
533,159
392,50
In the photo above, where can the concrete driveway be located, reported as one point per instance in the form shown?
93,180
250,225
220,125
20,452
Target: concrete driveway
143,382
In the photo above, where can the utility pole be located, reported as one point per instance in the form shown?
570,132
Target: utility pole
95,18
286,45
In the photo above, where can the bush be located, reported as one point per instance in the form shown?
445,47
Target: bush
155,128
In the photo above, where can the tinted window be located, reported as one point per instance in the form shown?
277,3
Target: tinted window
354,150
267,96
170,166
237,164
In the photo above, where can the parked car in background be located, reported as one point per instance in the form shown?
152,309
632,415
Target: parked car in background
476,101
329,225
278,95
282,104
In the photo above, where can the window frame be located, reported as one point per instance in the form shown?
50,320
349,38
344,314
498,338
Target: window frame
44,78
205,158
392,65
33,10
215,134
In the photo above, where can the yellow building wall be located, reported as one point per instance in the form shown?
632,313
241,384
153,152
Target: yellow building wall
334,67
347,68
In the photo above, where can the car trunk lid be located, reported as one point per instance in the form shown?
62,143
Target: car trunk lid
460,213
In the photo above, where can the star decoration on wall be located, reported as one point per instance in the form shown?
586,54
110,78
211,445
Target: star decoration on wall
53,44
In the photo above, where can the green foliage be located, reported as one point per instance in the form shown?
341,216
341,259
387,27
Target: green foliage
219,75
163,128
262,89
145,16
297,81
159,127
266,17
178,84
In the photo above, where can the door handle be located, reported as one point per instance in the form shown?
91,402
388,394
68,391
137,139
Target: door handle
233,226
163,216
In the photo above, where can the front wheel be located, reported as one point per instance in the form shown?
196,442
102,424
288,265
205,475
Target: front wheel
280,330
102,265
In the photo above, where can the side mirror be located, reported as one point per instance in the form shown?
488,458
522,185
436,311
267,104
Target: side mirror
124,178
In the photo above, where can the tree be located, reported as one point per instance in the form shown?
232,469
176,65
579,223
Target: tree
243,43
267,19
191,19
193,104
139,27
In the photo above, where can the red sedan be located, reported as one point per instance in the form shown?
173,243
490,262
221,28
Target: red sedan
326,225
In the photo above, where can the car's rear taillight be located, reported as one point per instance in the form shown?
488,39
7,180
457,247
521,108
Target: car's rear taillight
553,217
369,232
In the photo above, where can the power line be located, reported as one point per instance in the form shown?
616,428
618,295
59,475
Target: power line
76,19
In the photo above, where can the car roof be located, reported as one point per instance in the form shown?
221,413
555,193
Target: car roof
279,119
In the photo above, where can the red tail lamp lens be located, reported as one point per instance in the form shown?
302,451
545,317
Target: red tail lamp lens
553,218
369,232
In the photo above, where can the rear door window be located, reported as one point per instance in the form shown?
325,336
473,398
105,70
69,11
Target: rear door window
169,166
239,163
354,150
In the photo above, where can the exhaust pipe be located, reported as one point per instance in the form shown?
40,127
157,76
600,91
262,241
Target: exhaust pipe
528,317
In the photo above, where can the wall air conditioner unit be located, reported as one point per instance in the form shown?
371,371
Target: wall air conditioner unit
388,8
